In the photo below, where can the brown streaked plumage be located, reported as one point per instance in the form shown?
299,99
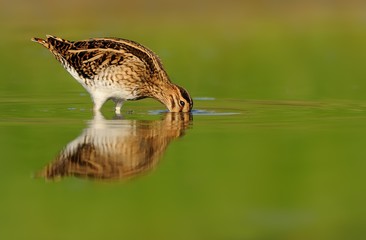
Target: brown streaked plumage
117,69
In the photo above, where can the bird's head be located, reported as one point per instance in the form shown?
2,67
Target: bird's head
177,99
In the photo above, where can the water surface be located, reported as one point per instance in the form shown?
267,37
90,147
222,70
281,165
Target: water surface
234,169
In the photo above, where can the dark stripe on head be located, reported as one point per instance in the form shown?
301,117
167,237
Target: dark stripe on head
186,96
172,101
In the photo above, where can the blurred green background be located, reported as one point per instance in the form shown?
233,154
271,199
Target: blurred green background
246,49
290,165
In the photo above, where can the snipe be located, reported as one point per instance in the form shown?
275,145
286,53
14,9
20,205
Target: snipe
117,69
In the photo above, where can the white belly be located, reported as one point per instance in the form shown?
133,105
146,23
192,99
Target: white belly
102,90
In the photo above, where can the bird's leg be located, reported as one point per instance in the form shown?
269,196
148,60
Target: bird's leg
98,100
119,103
98,116
97,107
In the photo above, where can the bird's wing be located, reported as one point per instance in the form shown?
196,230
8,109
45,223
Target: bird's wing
98,56
108,64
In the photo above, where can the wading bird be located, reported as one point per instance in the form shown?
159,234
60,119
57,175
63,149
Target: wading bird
117,69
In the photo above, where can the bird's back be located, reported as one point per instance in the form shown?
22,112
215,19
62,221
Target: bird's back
98,57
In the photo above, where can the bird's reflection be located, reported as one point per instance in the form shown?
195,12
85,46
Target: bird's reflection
117,149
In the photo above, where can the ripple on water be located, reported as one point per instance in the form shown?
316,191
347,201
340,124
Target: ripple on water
197,112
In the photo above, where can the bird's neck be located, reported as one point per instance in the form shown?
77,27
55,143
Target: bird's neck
163,92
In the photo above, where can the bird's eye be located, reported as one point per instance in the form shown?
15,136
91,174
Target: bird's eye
181,103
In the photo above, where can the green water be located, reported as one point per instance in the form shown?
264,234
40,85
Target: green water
274,148
272,169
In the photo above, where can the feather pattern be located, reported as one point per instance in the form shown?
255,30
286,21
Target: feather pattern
117,69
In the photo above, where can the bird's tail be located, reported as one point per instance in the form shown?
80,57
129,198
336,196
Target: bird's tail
52,42
41,41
